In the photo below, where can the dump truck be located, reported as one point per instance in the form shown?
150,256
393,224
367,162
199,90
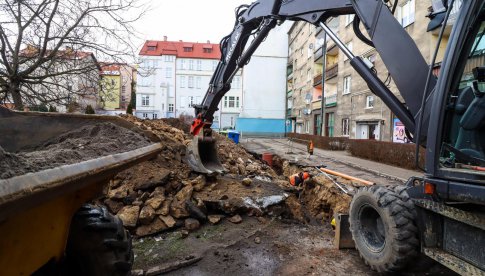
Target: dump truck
46,225
441,215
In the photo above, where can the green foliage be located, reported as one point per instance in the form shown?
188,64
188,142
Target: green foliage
52,108
133,96
129,109
89,109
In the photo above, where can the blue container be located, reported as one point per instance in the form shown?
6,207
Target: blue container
234,136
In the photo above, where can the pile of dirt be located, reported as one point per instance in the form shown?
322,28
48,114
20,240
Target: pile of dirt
87,142
164,193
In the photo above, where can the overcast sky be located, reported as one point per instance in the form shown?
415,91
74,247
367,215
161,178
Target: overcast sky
188,20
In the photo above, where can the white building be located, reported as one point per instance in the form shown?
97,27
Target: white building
173,76
264,90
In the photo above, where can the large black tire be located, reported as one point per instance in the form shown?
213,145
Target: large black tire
98,244
382,222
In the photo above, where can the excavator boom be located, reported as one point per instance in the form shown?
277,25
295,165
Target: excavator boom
397,49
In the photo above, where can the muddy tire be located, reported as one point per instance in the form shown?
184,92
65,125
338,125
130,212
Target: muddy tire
382,222
98,244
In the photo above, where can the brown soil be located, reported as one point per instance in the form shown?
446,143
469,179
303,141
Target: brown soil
86,143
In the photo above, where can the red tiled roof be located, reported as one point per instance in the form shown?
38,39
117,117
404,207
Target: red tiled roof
177,48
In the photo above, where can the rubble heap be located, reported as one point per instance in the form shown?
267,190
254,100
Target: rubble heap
164,193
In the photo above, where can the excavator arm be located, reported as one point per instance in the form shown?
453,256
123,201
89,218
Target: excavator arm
397,49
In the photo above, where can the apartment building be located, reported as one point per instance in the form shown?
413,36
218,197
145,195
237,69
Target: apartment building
116,85
350,109
300,76
175,75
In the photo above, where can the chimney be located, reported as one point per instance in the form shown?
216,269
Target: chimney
208,42
165,38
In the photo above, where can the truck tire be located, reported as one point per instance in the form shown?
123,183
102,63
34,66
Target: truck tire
382,222
98,244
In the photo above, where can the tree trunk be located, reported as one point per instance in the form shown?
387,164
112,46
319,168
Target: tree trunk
14,90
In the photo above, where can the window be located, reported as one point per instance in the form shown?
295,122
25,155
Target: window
191,82
199,65
349,18
182,81
123,98
197,82
191,101
123,89
345,127
163,107
168,58
168,73
307,127
347,84
145,100
182,102
462,144
237,102
155,63
329,124
232,121
154,116
152,48
225,101
188,49
406,13
309,74
236,83
191,64
170,107
369,102
182,64
207,50
232,101
349,46
145,115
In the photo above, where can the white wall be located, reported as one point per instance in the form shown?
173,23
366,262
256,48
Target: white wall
264,78
201,77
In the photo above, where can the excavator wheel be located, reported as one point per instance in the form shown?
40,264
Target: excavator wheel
382,222
98,244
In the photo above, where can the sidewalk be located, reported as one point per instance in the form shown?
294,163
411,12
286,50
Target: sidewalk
282,148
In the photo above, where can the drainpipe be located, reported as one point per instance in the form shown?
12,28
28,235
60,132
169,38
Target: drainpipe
324,65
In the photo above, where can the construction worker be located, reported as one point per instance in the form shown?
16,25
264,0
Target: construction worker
298,178
310,148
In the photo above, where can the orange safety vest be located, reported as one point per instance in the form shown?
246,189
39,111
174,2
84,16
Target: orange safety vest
310,148
298,178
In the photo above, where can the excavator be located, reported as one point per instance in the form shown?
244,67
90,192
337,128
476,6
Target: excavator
440,215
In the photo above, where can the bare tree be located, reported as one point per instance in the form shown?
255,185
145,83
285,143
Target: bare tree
48,48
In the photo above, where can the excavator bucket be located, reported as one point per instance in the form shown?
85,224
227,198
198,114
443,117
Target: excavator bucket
202,155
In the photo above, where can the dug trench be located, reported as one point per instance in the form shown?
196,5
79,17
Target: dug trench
249,221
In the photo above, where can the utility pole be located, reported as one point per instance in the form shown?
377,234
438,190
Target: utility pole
324,65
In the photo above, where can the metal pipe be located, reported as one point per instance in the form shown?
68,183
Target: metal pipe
337,41
324,68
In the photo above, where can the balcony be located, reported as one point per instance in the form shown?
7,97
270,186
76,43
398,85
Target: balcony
288,113
316,105
318,54
331,72
317,80
331,101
